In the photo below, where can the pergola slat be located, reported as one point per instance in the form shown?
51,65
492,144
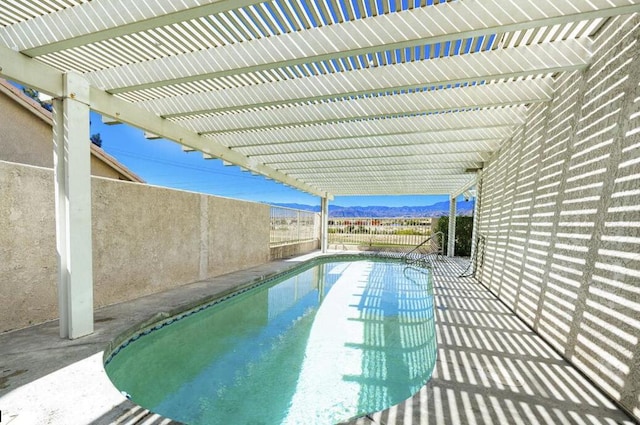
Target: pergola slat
480,96
524,60
415,27
474,119
412,158
425,138
295,168
451,153
363,149
100,20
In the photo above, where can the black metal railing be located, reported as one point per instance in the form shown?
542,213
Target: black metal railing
425,252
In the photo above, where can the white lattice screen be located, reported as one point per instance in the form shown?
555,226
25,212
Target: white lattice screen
560,217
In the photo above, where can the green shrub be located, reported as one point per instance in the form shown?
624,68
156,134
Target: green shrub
464,230
407,232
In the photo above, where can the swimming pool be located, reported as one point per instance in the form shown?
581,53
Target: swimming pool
331,342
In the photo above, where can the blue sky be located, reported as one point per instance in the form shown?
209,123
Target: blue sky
163,163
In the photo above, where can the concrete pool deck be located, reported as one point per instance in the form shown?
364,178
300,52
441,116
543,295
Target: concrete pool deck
491,369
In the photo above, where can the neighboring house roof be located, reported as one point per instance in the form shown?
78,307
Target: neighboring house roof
36,109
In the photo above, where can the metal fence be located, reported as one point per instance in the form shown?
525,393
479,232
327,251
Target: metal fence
292,226
378,231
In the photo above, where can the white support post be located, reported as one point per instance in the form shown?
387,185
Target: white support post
324,218
73,207
451,237
476,223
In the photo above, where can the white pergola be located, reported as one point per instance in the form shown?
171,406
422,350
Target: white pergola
332,97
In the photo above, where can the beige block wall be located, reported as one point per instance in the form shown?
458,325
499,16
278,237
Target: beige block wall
28,267
145,240
293,249
560,217
238,235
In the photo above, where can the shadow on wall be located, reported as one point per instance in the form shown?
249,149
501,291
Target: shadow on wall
561,215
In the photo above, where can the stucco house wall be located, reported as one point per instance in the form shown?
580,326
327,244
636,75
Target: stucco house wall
26,136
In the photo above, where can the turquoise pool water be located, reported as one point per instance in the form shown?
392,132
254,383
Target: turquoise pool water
335,341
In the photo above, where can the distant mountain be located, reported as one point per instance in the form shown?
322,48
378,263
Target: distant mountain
304,207
436,210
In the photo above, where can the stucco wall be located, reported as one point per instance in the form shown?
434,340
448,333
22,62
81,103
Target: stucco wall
27,246
238,236
559,217
293,249
99,168
24,138
145,239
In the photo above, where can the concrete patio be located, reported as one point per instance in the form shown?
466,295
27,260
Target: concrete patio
491,368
